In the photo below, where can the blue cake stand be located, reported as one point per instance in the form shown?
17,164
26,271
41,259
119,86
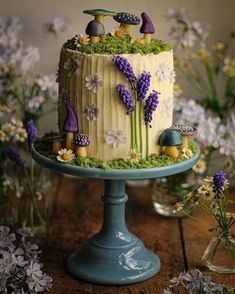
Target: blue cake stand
114,256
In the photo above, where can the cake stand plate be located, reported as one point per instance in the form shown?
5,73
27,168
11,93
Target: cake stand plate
114,256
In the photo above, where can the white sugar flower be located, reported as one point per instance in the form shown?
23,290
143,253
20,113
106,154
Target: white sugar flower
200,167
80,40
65,155
72,66
94,83
134,155
164,72
167,105
21,134
187,153
9,130
115,138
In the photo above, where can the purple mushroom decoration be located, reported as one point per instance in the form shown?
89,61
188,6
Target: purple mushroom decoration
126,20
95,29
186,131
81,141
147,27
70,127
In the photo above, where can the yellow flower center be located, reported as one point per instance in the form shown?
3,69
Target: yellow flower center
21,134
188,153
199,165
205,187
7,131
82,41
177,205
138,41
134,155
66,156
118,34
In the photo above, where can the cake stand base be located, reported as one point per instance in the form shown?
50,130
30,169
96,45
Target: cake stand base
114,256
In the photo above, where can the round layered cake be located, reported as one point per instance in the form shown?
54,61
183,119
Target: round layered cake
121,91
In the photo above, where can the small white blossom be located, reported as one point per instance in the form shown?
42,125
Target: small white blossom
93,83
134,155
21,134
81,40
115,138
200,167
92,112
187,153
9,130
167,105
35,103
72,66
65,155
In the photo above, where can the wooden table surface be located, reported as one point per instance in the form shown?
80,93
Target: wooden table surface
78,214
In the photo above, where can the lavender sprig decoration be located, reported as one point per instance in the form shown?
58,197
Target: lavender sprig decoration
31,131
14,155
142,85
218,181
126,97
124,66
150,106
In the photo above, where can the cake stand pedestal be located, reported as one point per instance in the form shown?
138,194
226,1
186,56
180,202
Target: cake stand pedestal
114,256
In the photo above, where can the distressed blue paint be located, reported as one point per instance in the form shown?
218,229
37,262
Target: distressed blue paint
114,256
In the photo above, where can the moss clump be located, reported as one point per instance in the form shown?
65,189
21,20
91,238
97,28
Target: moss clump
111,45
153,161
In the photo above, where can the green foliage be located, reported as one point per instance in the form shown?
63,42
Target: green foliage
111,45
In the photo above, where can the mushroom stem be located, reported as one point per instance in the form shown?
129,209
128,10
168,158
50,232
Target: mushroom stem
147,38
100,18
69,140
80,151
126,27
185,142
56,146
94,39
172,152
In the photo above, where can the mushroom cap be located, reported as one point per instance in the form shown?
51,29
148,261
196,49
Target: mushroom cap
56,138
95,28
170,137
147,25
81,140
127,18
185,130
71,121
98,11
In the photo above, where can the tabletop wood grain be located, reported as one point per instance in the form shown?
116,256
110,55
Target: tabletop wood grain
179,243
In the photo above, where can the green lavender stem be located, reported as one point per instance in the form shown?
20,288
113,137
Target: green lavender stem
132,130
147,140
140,127
136,120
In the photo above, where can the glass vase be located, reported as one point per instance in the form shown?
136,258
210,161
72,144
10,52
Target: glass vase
220,254
169,190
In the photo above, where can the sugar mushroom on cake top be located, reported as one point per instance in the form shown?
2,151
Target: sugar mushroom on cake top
57,142
170,139
81,141
126,20
70,126
186,131
95,29
99,14
147,27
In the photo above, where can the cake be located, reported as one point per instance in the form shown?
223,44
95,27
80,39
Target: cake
120,89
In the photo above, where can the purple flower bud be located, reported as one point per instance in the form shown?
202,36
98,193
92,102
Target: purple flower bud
124,66
31,131
14,155
126,97
143,85
218,181
150,106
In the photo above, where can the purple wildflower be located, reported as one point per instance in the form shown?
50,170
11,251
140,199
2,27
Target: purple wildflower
14,155
143,85
150,107
124,66
32,131
218,181
126,97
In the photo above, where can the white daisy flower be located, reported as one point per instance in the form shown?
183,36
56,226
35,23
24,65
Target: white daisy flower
200,167
187,153
81,40
21,134
65,155
137,41
16,122
2,136
178,207
134,155
9,130
119,32
205,189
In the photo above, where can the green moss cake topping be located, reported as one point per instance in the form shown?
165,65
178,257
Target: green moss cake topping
111,45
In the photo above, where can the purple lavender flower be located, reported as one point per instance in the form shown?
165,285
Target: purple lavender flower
124,66
150,106
218,181
143,85
126,97
32,131
14,155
